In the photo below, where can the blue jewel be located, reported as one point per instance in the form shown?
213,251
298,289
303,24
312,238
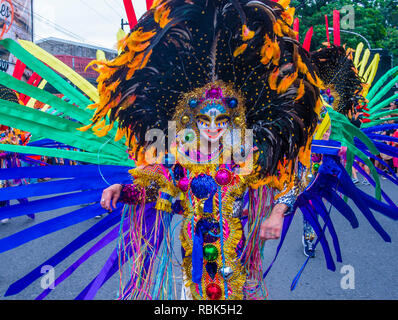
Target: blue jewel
211,268
193,103
232,103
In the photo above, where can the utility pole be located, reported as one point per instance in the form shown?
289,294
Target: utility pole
32,17
124,24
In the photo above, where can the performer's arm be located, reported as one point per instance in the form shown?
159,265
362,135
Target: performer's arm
271,228
110,196
125,193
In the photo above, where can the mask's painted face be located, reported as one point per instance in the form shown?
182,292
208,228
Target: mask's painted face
208,114
213,122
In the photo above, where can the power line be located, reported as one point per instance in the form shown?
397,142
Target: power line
118,4
54,25
96,12
112,8
61,29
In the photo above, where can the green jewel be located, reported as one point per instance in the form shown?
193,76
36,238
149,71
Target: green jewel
210,252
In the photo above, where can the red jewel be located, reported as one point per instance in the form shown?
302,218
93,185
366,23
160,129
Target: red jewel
223,177
213,291
183,184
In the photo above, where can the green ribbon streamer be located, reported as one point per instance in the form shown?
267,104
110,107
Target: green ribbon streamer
55,80
68,154
381,105
46,73
344,131
56,128
377,122
380,115
380,82
382,93
45,97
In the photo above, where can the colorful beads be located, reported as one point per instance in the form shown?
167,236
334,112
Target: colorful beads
185,119
189,137
316,158
130,194
327,96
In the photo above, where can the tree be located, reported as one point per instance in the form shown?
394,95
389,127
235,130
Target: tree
376,20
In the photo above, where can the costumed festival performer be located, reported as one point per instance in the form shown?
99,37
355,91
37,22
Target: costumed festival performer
11,160
209,112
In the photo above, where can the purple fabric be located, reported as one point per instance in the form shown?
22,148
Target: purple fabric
112,235
323,212
100,279
112,265
372,182
87,236
308,212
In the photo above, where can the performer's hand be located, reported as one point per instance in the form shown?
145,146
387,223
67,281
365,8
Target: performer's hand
271,228
110,196
342,152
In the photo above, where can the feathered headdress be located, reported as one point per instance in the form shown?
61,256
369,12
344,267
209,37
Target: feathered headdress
181,45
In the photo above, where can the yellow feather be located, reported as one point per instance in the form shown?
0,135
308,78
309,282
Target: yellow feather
164,20
141,36
119,134
240,50
273,78
278,28
99,125
85,128
284,3
138,46
287,82
300,91
247,34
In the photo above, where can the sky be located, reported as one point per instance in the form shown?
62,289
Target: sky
94,22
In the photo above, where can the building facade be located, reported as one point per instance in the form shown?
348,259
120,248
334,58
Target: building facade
76,55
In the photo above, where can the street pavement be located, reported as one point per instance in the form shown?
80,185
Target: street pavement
373,262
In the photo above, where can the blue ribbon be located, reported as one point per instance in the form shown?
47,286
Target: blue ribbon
100,227
58,187
81,171
49,226
48,204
